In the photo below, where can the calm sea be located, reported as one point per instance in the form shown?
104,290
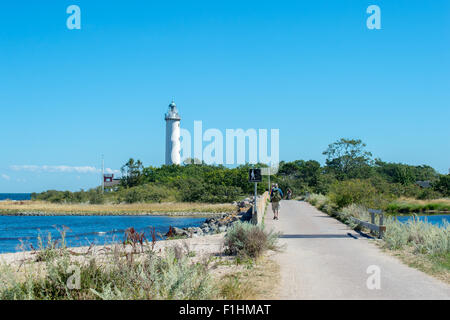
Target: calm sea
15,196
82,230
436,219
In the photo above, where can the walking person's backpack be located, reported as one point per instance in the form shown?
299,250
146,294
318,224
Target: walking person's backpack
276,197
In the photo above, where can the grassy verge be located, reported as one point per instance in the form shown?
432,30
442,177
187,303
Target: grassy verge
258,281
169,208
437,265
419,244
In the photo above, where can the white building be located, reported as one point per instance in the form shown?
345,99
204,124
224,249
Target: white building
172,135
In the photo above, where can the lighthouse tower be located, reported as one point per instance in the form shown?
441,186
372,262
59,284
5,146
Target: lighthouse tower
172,135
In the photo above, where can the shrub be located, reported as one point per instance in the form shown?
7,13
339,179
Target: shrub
247,240
145,193
443,185
96,197
428,194
344,193
220,194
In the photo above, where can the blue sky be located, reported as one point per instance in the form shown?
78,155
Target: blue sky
309,68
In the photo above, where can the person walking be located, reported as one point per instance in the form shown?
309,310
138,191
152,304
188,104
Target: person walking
275,197
289,194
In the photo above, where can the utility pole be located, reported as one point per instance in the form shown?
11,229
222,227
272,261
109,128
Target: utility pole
256,195
103,174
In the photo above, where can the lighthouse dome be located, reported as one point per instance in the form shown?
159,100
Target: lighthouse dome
172,113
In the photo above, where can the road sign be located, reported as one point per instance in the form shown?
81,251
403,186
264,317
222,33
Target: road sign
254,175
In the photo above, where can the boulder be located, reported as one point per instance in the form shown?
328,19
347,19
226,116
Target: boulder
206,230
197,230
180,232
222,223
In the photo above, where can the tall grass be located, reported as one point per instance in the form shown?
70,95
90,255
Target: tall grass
169,275
424,237
320,201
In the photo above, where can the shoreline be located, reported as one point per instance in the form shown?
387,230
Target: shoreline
42,208
202,245
213,224
124,214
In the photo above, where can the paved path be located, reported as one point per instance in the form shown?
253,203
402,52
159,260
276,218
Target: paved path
324,259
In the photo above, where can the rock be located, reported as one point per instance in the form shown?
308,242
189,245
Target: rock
222,223
180,232
211,224
206,230
222,228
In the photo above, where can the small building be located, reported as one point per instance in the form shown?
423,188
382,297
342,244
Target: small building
109,181
424,184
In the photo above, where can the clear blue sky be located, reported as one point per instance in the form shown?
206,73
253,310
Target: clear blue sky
309,68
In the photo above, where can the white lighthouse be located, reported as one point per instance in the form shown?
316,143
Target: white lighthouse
172,135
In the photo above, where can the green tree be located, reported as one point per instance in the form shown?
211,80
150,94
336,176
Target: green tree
348,159
443,185
132,173
405,174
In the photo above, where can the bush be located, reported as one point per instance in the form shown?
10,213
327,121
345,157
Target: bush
428,194
96,197
221,194
145,193
249,241
344,193
443,185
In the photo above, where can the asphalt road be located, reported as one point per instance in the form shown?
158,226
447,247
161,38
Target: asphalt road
324,259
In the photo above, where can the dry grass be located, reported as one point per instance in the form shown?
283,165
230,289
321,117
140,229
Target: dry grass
167,208
445,201
260,281
425,263
406,205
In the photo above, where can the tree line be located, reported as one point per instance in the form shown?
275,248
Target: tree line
349,171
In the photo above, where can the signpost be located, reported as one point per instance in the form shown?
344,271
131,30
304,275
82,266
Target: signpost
254,175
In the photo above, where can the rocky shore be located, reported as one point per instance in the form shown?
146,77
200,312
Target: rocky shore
216,225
